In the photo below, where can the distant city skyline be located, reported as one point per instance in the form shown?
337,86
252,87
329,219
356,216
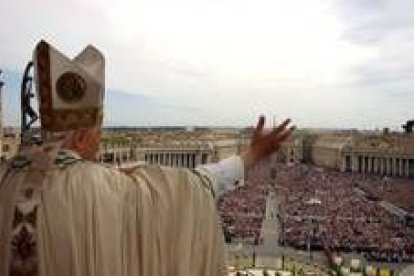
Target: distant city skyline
330,64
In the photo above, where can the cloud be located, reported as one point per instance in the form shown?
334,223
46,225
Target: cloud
372,22
232,60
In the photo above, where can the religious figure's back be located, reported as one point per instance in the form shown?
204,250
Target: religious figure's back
67,216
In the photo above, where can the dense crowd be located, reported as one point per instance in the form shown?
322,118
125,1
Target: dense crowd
242,210
324,208
398,191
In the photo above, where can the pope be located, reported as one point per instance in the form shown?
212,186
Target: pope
62,213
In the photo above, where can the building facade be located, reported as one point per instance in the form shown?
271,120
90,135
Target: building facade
391,155
381,154
327,149
291,151
186,155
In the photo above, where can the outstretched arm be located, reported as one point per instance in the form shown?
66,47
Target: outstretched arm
228,172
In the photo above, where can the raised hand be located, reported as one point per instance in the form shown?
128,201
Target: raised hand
263,144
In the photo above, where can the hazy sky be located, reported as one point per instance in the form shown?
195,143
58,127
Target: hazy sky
343,63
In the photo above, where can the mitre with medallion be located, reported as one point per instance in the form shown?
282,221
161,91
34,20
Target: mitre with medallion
70,91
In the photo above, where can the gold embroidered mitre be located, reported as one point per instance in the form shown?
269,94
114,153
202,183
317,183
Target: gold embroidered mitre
70,92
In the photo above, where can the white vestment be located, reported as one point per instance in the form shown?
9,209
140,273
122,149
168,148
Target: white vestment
80,218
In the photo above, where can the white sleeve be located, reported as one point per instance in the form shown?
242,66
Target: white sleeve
226,174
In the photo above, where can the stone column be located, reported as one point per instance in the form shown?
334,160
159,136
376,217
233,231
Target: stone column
385,160
369,164
371,161
407,167
378,165
363,164
375,161
400,171
116,156
190,160
185,163
178,159
354,161
198,159
174,159
388,165
381,165
394,166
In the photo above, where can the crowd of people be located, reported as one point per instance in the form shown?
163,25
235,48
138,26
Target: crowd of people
242,210
398,191
323,208
320,208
